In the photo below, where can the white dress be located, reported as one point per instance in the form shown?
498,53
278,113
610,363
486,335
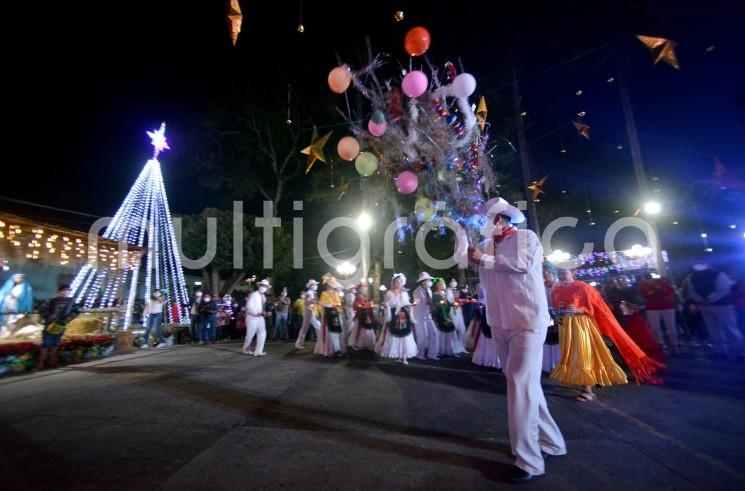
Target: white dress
361,337
456,315
484,347
392,345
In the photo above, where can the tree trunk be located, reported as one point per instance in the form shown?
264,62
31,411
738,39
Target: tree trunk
233,282
215,281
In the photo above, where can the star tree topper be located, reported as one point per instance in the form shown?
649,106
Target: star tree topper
235,19
537,187
315,150
158,140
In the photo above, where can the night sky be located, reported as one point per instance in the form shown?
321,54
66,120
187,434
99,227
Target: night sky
86,82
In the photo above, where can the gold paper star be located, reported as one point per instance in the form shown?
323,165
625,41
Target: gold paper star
235,19
582,129
315,150
537,187
481,112
662,49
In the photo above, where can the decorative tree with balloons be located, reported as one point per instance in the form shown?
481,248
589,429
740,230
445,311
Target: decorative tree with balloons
419,135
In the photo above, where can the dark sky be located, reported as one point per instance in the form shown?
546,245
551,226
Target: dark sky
87,79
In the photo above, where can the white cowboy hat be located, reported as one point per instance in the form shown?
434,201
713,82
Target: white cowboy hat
423,276
399,275
265,283
498,206
310,283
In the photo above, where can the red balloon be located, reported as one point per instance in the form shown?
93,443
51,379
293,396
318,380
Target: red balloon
417,41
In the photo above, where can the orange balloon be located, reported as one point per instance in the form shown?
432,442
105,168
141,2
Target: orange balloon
348,148
339,79
417,41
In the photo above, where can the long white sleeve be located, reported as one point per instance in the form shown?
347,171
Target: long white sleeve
529,249
723,288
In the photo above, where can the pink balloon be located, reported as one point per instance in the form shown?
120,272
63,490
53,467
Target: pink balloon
339,79
407,182
415,83
348,148
377,129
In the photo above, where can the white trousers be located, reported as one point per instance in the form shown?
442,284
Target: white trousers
532,429
426,337
256,327
722,327
309,319
654,317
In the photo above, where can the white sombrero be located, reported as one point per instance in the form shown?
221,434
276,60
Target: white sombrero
423,276
498,206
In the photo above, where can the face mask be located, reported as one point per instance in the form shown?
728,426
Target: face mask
198,294
262,289
156,294
314,287
207,299
453,284
428,284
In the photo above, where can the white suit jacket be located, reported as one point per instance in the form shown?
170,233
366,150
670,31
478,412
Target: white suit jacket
512,281
422,310
255,304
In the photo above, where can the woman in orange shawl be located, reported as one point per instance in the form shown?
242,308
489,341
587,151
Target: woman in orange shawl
585,359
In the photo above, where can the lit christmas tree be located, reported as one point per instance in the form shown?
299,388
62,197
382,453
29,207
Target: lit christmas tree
144,219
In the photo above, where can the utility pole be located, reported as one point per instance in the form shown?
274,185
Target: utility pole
524,149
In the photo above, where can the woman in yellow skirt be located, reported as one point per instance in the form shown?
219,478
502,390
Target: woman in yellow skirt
585,358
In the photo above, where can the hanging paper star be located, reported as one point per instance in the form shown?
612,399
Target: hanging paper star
315,150
158,140
343,189
582,129
537,187
481,112
662,49
235,19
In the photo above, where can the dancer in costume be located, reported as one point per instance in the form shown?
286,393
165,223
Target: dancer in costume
509,264
426,331
310,314
640,332
484,348
256,315
456,315
447,339
397,338
331,335
362,334
585,359
348,301
551,348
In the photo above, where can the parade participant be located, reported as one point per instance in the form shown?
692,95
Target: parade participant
154,318
310,314
348,302
585,359
397,337
224,317
447,339
551,348
467,304
362,334
640,332
331,334
208,315
56,314
16,297
282,308
484,348
426,331
194,328
661,302
456,315
256,319
477,297
509,264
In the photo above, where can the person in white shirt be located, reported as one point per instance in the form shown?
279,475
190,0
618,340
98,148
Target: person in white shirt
255,319
310,314
510,268
154,318
426,331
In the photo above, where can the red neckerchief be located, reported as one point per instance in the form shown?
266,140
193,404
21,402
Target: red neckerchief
506,232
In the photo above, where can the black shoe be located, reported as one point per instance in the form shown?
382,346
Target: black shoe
517,475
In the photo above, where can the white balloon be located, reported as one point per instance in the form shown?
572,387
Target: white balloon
464,85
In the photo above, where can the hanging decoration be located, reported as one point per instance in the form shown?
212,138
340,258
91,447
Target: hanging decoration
235,19
315,150
662,49
366,164
481,113
348,148
537,188
417,41
582,129
339,79
407,182
398,16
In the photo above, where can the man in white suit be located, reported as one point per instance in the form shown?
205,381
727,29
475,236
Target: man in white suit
425,330
310,316
510,269
256,319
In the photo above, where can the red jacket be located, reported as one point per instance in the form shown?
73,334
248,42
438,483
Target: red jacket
658,294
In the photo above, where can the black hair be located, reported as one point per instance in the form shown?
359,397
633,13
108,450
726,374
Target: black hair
63,287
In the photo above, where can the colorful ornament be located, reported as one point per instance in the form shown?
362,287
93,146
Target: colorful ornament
537,187
395,108
366,164
450,72
378,117
315,150
415,83
662,49
377,129
463,85
582,129
398,16
424,209
348,148
417,41
481,112
407,182
339,79
235,19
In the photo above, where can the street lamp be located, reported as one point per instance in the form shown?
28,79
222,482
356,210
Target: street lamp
345,268
364,221
652,207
